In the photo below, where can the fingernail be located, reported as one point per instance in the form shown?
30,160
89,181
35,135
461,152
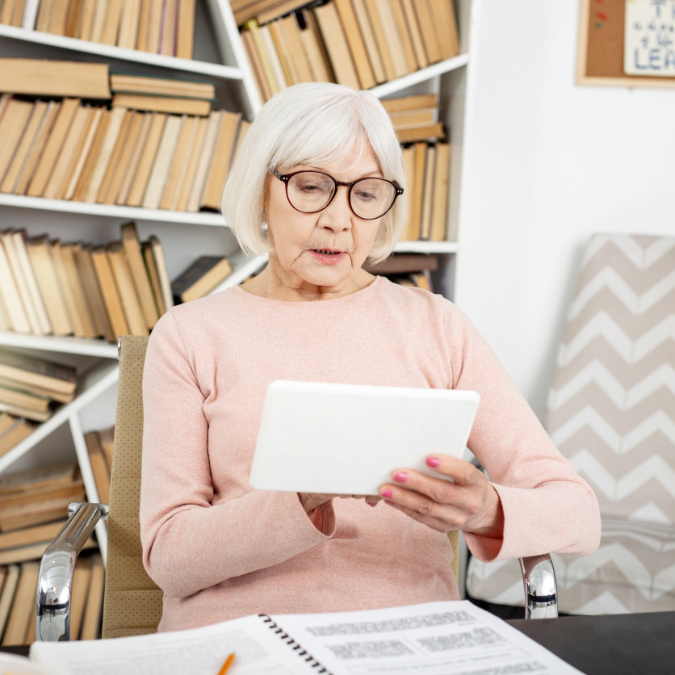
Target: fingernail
371,503
387,493
433,461
401,477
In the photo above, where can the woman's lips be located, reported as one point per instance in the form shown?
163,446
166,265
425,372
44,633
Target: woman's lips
328,258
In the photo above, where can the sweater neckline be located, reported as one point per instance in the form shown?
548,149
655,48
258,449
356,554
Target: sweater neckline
351,297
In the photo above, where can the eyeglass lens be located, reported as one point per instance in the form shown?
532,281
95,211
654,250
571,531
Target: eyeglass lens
309,191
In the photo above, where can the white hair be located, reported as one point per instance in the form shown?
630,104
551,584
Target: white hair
311,123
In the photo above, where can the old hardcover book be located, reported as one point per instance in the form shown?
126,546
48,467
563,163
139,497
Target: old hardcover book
139,274
50,154
315,49
19,239
97,23
443,14
125,160
356,43
92,157
21,428
151,266
254,58
160,86
289,26
143,25
48,283
129,24
87,19
227,136
18,517
77,288
162,164
35,153
336,44
73,17
427,132
147,159
18,397
83,152
441,187
409,166
24,146
404,263
107,441
99,466
57,20
415,33
167,41
369,40
40,372
113,164
380,39
154,25
23,605
404,34
97,295
200,278
111,297
392,37
81,579
42,77
92,611
111,22
428,199
273,57
179,163
186,29
10,295
93,309
162,271
12,125
66,288
428,30
8,593
31,535
127,290
22,286
410,120
191,167
166,104
410,103
33,551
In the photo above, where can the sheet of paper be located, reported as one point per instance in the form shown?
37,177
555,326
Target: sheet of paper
438,638
649,44
201,651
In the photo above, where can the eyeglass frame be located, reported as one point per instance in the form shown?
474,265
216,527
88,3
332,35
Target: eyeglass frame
286,177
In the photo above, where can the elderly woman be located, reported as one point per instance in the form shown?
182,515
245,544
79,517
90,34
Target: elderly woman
317,184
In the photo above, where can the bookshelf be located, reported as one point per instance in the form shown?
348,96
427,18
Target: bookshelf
219,57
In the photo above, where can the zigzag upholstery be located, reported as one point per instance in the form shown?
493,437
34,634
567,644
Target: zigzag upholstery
611,411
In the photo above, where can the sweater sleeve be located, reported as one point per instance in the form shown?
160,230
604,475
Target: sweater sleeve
188,543
547,506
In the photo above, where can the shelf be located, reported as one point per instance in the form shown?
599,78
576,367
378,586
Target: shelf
109,51
66,344
93,383
119,212
426,247
420,76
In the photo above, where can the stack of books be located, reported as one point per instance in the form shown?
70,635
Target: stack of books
407,269
48,287
157,26
28,389
160,145
198,280
415,118
17,600
358,43
100,450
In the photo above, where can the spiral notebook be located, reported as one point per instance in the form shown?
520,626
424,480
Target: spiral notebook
438,638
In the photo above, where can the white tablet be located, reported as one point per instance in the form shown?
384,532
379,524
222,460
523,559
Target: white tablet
347,439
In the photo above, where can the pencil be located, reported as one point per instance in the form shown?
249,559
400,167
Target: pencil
227,664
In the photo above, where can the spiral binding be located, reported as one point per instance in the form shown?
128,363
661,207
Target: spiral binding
297,647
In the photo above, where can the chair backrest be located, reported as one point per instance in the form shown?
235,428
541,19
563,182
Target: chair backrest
133,602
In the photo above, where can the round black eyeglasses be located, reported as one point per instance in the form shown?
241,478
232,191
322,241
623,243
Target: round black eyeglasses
313,191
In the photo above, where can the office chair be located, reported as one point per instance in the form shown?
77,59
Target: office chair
611,412
132,602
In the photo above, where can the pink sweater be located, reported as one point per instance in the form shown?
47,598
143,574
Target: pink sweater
220,550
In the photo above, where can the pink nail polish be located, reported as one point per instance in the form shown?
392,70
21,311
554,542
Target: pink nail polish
401,477
371,504
387,493
433,461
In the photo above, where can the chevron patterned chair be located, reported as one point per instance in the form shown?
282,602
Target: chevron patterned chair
611,412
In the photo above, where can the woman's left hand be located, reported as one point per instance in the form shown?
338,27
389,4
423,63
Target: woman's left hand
470,503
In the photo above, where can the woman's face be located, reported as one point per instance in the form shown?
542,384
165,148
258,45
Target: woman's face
296,236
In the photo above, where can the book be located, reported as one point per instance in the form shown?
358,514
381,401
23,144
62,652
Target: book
428,198
21,428
404,34
64,284
443,14
166,104
222,156
336,45
392,38
315,49
23,605
105,326
7,595
428,30
95,312
186,29
380,39
183,193
22,287
127,291
441,186
46,77
356,43
415,33
404,263
81,580
162,163
99,466
10,295
146,159
451,637
92,611
151,265
107,441
121,83
200,278
12,125
179,163
92,157
132,248
160,259
41,372
111,297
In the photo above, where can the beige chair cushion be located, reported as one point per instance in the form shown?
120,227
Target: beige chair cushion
133,602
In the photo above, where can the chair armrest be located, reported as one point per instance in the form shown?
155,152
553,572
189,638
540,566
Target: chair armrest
541,589
55,580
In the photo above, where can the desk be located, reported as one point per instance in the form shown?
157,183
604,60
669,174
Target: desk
620,644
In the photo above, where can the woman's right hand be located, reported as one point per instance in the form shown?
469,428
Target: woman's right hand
310,500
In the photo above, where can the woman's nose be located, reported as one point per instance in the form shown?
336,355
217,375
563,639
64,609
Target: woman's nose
338,213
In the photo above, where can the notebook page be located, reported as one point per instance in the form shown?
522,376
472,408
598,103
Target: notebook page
437,638
199,651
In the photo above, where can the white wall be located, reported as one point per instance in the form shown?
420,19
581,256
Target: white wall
547,164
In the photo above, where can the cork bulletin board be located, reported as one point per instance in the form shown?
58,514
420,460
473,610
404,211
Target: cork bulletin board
600,59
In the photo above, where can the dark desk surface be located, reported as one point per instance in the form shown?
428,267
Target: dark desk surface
620,644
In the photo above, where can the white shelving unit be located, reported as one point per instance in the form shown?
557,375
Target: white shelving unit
219,57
